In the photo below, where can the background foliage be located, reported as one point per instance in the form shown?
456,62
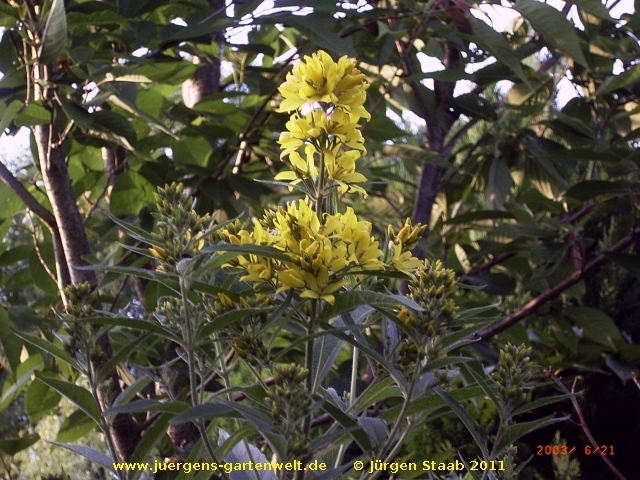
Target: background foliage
531,197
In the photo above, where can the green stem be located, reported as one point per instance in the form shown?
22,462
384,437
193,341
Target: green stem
189,333
352,401
104,426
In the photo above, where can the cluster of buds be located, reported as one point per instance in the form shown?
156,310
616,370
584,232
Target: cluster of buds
79,305
514,372
170,313
181,231
290,403
433,288
79,298
251,348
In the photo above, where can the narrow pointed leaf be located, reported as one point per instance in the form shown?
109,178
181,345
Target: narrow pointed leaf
467,419
55,33
554,27
514,432
80,396
93,455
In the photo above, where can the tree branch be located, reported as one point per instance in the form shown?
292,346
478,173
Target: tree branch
583,422
571,280
29,200
63,276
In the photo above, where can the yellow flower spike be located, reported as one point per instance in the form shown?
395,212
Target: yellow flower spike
320,79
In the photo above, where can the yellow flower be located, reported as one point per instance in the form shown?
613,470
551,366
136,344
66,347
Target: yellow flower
320,79
314,270
342,169
318,128
301,167
363,252
403,260
299,222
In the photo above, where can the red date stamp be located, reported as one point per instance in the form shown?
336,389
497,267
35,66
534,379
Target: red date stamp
554,450
604,450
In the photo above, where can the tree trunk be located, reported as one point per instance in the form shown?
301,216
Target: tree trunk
53,166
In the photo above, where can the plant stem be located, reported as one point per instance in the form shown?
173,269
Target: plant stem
189,333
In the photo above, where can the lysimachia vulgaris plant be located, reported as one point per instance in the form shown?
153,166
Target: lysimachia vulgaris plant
296,348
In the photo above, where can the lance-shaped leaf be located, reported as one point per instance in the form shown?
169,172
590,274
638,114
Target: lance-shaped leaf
93,455
55,33
554,27
498,46
514,432
81,397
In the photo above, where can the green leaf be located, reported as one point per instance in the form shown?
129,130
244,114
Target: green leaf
467,419
148,406
475,106
347,423
40,276
174,32
615,82
118,357
476,372
115,127
595,7
318,27
132,109
80,396
376,393
75,426
55,33
596,326
554,27
93,455
191,151
49,347
590,189
541,402
33,114
77,113
496,43
470,217
223,408
499,184
132,390
151,437
225,319
39,400
262,250
531,97
11,346
13,446
130,194
23,375
8,114
350,300
519,430
624,370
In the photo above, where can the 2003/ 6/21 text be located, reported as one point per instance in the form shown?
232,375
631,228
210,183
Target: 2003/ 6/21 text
604,450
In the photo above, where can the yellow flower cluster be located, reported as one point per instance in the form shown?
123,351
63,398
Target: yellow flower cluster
321,252
322,144
332,95
321,80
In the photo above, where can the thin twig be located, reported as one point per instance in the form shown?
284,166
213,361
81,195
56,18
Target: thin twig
571,280
583,422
